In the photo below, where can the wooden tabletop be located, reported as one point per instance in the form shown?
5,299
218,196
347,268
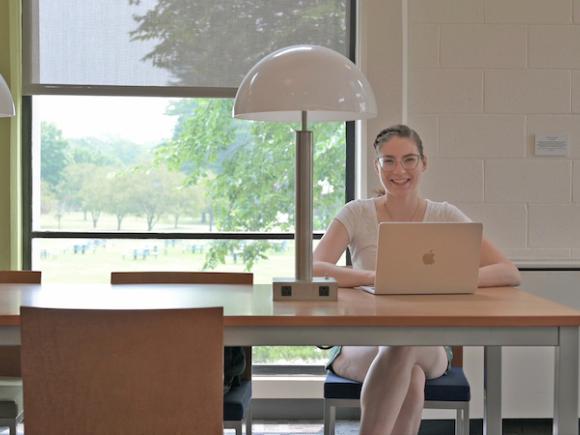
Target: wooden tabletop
253,305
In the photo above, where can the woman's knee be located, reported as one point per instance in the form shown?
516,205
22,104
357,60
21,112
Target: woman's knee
354,362
398,355
431,359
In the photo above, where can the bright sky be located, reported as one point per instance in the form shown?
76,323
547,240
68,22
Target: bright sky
141,120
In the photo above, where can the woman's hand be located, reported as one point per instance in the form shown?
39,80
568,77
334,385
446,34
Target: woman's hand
499,275
344,276
370,277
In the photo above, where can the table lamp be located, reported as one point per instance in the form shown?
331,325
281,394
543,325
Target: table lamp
6,103
304,83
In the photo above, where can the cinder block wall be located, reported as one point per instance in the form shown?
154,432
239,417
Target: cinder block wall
484,78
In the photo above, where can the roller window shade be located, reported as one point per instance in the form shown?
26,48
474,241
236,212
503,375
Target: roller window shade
166,47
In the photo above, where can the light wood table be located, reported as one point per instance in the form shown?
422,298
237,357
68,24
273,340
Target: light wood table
491,318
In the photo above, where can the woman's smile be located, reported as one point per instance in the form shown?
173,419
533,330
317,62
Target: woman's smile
400,181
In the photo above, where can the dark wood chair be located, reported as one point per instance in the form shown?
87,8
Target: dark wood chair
182,278
20,277
238,401
128,372
11,410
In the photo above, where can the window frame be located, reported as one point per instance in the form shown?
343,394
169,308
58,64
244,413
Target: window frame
28,234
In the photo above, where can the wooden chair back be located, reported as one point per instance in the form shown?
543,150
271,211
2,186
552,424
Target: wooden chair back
457,360
20,277
10,355
127,372
180,277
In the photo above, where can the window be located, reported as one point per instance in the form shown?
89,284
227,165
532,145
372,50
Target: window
135,160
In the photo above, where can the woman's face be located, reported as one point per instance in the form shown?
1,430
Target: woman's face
400,166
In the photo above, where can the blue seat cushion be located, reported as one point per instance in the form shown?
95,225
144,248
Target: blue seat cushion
8,409
451,387
237,400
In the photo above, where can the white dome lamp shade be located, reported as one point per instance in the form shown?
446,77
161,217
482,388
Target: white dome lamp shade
6,102
308,78
304,83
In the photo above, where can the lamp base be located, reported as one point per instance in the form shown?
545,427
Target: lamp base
291,289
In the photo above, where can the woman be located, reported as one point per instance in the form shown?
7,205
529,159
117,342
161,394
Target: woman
400,164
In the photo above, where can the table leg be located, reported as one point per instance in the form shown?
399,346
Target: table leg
492,390
566,383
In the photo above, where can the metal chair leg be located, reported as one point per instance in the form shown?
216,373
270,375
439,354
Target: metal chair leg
329,418
466,419
249,420
462,421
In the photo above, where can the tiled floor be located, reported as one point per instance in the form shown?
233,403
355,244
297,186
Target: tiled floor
300,428
281,428
510,427
276,428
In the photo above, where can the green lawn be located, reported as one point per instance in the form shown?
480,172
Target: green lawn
78,221
92,261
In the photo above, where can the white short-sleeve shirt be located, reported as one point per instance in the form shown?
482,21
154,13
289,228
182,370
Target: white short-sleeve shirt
362,225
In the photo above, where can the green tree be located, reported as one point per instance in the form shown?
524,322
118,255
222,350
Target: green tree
48,200
68,193
204,132
252,165
214,43
252,169
123,194
106,152
51,202
153,194
54,151
94,196
70,189
185,201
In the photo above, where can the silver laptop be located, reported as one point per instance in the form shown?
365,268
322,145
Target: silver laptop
427,258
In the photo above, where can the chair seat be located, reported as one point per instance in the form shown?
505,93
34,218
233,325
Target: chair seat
8,409
237,400
451,387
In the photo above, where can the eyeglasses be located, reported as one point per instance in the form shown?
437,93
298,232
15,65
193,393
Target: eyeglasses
408,162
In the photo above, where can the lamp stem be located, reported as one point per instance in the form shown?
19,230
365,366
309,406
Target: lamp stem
303,221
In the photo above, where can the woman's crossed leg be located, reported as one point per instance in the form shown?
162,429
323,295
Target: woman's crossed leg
393,380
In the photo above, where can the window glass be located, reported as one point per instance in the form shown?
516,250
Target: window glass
173,165
66,260
92,260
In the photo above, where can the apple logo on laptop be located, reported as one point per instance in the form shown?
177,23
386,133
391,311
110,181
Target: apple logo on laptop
429,258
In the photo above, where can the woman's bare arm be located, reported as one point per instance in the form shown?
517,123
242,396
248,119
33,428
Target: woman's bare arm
329,249
495,269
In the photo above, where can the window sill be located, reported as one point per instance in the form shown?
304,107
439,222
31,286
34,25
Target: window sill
287,386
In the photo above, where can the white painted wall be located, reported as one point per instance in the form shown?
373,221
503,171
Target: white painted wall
482,78
380,56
